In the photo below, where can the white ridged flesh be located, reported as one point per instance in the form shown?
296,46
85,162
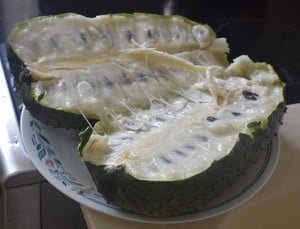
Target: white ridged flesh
177,139
168,105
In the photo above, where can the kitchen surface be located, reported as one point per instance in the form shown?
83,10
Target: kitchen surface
265,30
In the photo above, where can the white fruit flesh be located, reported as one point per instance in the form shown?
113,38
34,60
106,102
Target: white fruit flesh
168,105
73,36
183,136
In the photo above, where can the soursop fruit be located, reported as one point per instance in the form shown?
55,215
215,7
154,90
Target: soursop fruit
170,123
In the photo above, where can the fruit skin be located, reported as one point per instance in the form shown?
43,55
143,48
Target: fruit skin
173,198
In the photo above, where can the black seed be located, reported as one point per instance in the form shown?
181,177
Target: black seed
129,36
211,118
236,113
202,138
250,95
179,152
160,119
190,147
141,77
149,33
83,37
126,138
107,82
176,36
166,160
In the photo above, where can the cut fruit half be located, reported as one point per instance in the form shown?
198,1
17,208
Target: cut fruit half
73,64
170,123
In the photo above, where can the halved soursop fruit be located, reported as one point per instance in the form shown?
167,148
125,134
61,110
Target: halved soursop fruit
69,66
175,157
172,124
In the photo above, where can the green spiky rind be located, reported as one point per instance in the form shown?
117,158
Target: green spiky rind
173,198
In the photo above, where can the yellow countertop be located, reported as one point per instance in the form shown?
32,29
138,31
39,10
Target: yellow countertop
277,205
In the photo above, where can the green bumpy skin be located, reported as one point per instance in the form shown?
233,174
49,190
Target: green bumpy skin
165,199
